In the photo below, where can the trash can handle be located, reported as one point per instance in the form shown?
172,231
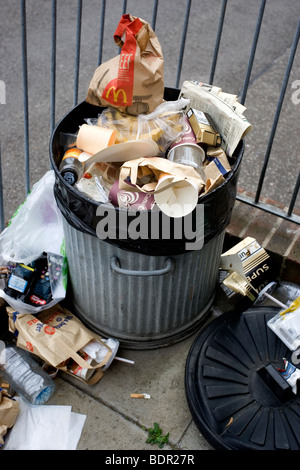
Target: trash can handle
115,266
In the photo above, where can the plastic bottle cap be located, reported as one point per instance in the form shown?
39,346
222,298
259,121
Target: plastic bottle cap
69,177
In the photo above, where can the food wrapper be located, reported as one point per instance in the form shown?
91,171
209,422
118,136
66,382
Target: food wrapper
143,174
176,187
132,81
286,325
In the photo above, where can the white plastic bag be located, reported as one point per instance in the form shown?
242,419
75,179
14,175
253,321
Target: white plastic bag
164,125
286,325
36,226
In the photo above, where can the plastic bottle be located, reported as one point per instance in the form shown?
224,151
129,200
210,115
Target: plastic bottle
71,168
24,375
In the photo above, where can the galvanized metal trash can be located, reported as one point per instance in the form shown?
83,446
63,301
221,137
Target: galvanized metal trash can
145,293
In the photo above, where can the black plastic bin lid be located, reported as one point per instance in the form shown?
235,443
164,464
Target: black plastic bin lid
237,398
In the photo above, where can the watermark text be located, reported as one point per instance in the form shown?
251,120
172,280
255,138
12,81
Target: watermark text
151,225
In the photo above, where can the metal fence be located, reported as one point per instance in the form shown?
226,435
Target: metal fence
254,200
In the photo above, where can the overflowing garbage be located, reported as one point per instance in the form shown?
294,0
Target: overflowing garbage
140,152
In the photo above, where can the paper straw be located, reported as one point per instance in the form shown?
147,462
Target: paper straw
123,360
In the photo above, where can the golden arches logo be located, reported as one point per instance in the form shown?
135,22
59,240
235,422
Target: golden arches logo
116,94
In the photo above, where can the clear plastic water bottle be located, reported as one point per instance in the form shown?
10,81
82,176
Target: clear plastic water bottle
24,375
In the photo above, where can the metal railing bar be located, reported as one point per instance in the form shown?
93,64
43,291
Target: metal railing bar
253,49
77,51
218,40
1,197
268,208
183,38
53,66
25,94
294,195
124,7
278,110
101,32
154,14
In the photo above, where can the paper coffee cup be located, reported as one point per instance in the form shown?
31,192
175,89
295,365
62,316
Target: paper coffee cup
92,138
130,199
177,200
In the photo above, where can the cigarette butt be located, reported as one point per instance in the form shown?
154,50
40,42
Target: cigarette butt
139,395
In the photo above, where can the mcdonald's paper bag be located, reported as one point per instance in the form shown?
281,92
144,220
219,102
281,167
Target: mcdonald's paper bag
133,81
57,337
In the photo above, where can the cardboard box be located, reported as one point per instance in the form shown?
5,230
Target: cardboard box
246,269
203,127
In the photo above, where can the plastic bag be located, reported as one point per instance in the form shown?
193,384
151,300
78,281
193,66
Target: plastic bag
40,284
36,226
164,125
34,232
286,325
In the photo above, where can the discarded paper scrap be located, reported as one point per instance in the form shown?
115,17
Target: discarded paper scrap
224,110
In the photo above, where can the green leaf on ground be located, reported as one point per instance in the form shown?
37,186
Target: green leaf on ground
156,437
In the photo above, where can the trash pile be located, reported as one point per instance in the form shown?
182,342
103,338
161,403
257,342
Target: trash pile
170,157
142,150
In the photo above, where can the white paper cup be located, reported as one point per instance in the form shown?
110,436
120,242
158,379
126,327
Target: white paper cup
177,200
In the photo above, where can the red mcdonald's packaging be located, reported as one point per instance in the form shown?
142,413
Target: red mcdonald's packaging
133,81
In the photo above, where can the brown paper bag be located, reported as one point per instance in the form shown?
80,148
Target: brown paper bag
132,81
134,170
9,411
56,336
